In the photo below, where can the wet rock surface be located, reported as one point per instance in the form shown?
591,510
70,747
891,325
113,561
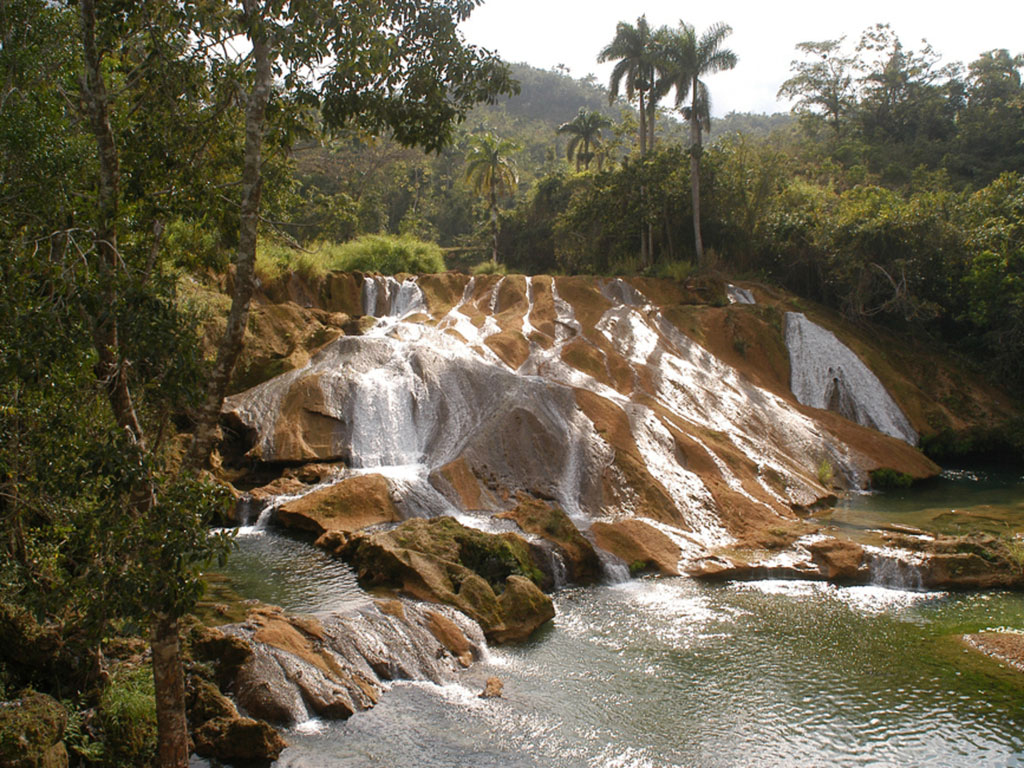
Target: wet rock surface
492,578
333,665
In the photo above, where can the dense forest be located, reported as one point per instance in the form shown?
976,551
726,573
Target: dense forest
145,147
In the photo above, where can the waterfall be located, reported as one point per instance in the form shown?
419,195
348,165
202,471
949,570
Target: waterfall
894,570
384,296
827,374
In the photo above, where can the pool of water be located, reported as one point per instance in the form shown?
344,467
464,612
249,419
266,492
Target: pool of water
673,672
677,673
958,501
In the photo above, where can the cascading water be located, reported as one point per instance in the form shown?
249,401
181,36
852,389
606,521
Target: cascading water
827,374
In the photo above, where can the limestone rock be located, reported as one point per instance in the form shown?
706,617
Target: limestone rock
643,547
840,560
552,524
492,688
441,561
238,739
354,503
333,665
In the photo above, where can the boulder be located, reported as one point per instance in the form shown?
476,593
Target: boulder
974,561
492,688
840,560
31,732
335,664
233,739
553,525
354,503
491,578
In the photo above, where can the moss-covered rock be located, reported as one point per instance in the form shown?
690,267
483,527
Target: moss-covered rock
552,524
441,561
233,739
31,732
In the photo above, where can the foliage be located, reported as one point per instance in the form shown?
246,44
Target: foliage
390,255
825,473
127,713
886,479
488,268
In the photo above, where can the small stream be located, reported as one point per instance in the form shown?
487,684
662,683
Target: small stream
674,672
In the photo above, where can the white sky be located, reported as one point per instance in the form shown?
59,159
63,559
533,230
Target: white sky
572,32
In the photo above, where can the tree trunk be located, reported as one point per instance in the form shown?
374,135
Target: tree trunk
169,682
245,258
695,151
494,223
643,126
110,370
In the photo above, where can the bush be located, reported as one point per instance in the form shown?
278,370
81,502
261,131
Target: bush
387,254
886,479
489,267
127,712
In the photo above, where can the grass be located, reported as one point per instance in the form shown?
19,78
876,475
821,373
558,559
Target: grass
387,254
127,711
825,473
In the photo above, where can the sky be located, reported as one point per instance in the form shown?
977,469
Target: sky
545,33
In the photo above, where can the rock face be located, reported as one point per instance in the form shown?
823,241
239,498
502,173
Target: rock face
598,397
491,578
571,549
333,665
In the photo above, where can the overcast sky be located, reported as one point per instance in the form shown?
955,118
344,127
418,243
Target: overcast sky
572,32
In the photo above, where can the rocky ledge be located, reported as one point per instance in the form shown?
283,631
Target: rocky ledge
492,578
914,561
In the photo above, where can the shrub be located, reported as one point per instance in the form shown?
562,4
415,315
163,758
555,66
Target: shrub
886,479
127,712
825,473
489,267
389,254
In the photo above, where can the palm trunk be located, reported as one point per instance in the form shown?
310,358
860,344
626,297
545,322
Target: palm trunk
695,150
494,224
245,258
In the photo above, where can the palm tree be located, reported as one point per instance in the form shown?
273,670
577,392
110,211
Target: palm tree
636,54
687,60
584,129
492,173
636,51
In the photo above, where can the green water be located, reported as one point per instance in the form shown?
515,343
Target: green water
673,672
958,501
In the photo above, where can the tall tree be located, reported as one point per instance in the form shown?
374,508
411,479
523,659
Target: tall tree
692,58
824,84
492,173
401,67
635,51
584,129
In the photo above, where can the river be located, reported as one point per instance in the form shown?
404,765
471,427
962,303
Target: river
674,672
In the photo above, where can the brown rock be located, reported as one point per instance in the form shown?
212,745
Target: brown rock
238,739
206,702
1006,647
348,506
449,635
492,688
441,561
641,546
552,524
840,561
